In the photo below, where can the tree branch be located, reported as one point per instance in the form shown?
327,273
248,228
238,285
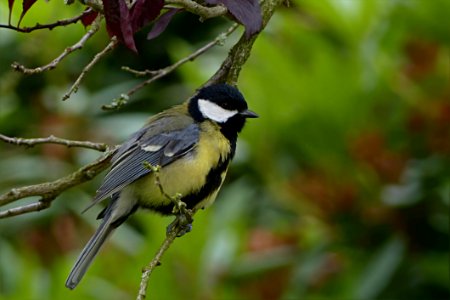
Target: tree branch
48,191
53,140
177,228
96,5
155,75
238,55
50,26
156,261
36,206
80,44
74,88
203,12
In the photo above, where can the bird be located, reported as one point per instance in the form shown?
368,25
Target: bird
192,144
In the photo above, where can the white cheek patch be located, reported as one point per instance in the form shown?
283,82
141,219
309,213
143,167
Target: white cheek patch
214,112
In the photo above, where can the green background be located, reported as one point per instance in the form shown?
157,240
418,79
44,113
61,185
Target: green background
340,190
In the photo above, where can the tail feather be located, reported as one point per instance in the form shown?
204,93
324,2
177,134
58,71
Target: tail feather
89,252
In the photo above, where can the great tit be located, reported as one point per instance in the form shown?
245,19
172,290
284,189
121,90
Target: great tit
193,143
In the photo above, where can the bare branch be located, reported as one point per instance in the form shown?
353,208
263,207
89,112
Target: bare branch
176,229
155,75
50,26
203,11
53,140
74,88
80,44
48,191
156,261
155,170
97,5
238,55
36,206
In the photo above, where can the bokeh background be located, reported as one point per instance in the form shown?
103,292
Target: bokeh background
340,190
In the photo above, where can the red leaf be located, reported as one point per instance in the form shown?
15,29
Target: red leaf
126,26
124,23
162,22
10,5
247,12
144,11
88,18
118,23
26,5
112,16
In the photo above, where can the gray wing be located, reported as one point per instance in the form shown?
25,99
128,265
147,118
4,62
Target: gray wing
160,149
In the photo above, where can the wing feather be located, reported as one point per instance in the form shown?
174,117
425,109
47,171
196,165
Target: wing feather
127,163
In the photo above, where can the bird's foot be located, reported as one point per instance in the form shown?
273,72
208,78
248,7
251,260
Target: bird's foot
178,227
183,220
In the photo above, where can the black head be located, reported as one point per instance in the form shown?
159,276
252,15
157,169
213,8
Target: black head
222,104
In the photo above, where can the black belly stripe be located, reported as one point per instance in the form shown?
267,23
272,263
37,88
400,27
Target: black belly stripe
213,182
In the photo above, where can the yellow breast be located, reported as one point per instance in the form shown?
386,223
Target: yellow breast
186,175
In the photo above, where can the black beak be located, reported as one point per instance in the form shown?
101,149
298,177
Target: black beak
248,114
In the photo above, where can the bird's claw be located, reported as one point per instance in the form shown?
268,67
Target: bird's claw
182,223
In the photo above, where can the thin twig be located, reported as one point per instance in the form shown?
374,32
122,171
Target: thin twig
180,206
165,71
97,5
142,73
54,63
35,206
74,88
156,261
203,11
156,169
53,140
50,190
176,229
50,26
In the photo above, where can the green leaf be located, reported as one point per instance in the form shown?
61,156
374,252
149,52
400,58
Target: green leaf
380,269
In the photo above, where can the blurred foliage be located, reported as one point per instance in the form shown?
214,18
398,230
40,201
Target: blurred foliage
340,190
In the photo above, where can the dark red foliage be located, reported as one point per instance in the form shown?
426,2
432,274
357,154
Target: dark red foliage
124,23
328,195
247,12
118,22
10,6
113,18
88,18
162,22
50,241
263,240
26,5
422,56
145,11
430,126
371,148
127,33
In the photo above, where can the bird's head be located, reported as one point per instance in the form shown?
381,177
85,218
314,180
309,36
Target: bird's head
222,104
